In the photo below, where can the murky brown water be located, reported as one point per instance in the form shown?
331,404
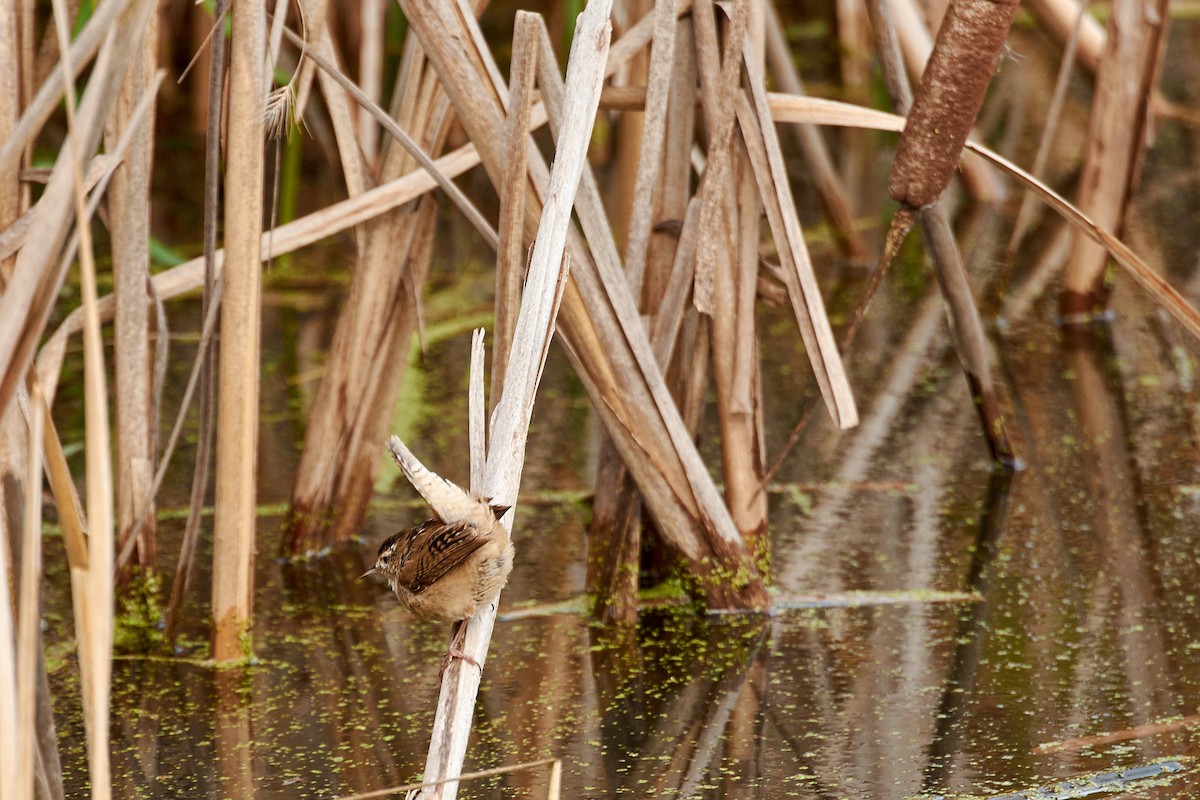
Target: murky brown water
1080,655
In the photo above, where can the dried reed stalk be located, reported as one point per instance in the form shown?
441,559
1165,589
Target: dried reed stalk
11,738
29,638
477,414
534,329
129,222
720,76
1117,135
370,72
649,160
10,110
733,332
209,301
600,323
829,186
967,328
627,129
510,255
1066,69
743,442
66,499
235,521
803,291
1063,18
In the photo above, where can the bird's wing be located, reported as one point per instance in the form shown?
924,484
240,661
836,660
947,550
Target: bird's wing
436,548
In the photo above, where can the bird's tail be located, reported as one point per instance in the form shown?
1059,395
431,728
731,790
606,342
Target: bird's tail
449,501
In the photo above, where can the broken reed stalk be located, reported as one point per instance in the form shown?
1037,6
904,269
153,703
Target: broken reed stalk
129,223
943,111
477,414
235,521
531,341
1116,142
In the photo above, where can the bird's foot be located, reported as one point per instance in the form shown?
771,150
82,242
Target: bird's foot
454,653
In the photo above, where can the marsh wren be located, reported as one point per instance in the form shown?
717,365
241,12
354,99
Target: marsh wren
445,570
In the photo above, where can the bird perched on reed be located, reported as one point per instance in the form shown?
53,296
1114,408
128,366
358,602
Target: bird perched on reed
445,570
448,566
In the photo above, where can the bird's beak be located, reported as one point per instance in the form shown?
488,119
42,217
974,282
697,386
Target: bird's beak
371,571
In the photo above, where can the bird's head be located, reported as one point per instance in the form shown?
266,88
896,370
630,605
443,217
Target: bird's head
387,552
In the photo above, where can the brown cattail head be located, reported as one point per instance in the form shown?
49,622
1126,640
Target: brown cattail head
951,91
